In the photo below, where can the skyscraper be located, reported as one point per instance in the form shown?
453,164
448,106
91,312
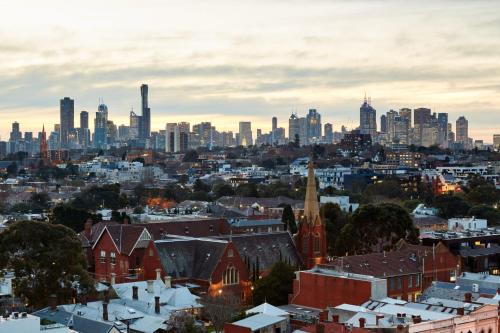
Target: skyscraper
67,117
313,126
443,129
367,119
328,138
145,131
383,123
422,118
293,127
84,136
44,151
100,126
245,132
462,132
16,134
273,130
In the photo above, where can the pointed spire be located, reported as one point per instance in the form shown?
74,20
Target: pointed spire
311,206
365,98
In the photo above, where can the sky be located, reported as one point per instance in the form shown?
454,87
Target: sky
225,60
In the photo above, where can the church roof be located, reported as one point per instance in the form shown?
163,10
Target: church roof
311,206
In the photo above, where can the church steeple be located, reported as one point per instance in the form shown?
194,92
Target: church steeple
311,206
311,238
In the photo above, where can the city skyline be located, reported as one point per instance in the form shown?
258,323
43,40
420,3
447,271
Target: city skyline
219,62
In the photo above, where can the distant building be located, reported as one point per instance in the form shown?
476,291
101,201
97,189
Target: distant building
367,119
245,131
67,117
342,201
467,223
293,127
462,132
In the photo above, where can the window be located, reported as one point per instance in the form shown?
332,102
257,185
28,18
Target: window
151,252
317,243
230,253
112,258
410,281
391,283
399,282
211,228
417,281
230,276
102,258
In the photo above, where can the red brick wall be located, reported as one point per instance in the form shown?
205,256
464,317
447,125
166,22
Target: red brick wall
243,288
437,266
320,291
103,270
405,289
230,328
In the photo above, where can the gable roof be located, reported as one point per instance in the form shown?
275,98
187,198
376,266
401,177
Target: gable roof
192,258
193,228
124,236
268,247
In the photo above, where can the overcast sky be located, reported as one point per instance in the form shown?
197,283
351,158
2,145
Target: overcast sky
225,61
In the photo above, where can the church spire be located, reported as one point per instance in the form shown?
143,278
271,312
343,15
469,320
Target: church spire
311,206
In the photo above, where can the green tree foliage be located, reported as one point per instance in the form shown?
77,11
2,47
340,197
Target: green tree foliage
222,189
275,287
20,207
39,202
190,156
288,218
247,190
479,191
486,212
106,196
175,192
450,205
12,169
376,228
388,188
46,259
69,216
334,220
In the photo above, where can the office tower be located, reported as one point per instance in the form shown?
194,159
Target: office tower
84,132
442,121
101,126
170,137
303,139
293,127
462,132
383,123
245,131
177,137
496,141
273,130
145,131
390,119
367,119
313,126
67,117
421,119
134,125
16,134
405,114
111,132
123,132
328,133
259,133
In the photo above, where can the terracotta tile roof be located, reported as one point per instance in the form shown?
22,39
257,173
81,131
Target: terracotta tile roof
125,236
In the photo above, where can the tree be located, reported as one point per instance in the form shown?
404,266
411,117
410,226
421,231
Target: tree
247,190
20,207
182,322
222,189
275,287
334,220
450,205
288,218
69,216
39,202
388,188
220,309
46,259
190,156
486,212
12,169
373,228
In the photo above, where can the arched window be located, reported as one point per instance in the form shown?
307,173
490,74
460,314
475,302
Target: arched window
230,275
317,243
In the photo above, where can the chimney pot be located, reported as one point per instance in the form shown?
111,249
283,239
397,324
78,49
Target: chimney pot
468,298
460,311
157,304
53,302
158,273
113,278
335,318
105,311
150,286
168,281
135,292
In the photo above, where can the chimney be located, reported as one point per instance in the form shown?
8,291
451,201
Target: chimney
320,328
168,281
460,311
400,329
377,318
135,292
105,311
335,318
362,322
498,291
87,228
150,286
106,296
158,273
53,302
157,304
113,278
416,319
468,298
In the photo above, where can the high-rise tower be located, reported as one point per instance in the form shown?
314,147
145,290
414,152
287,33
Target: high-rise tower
145,129
67,117
44,151
367,119
311,237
